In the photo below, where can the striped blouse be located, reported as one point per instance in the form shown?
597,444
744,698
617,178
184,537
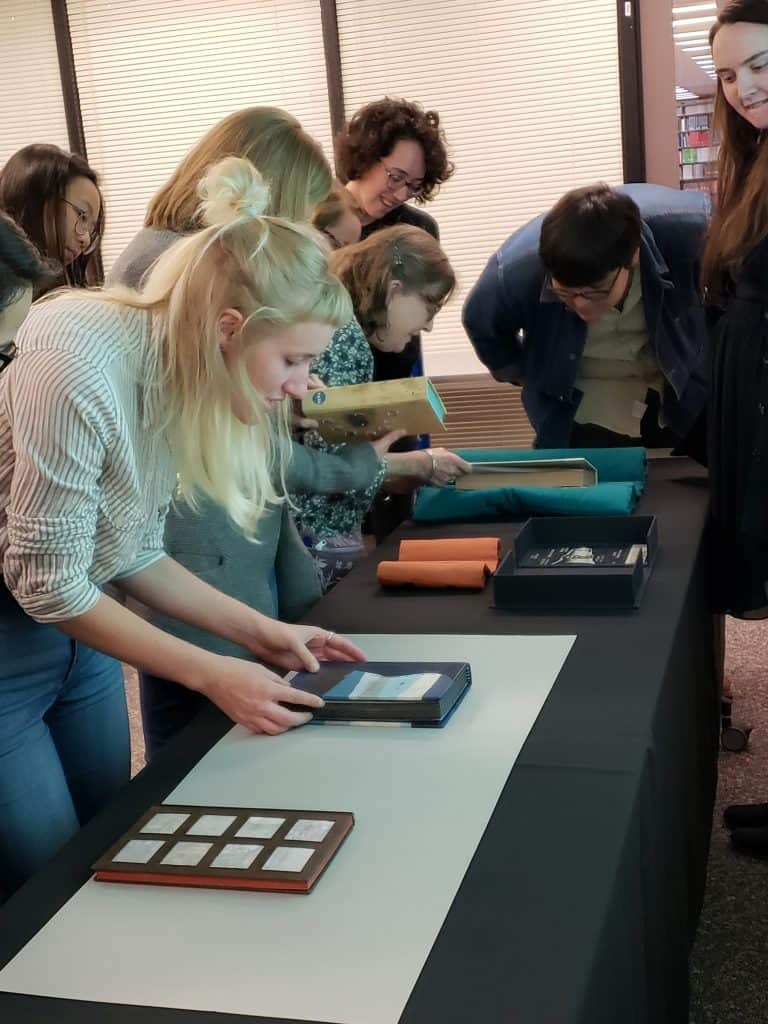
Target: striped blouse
85,482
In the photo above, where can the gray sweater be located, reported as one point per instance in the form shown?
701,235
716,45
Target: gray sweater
277,576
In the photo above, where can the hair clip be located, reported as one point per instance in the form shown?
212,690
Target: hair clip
397,257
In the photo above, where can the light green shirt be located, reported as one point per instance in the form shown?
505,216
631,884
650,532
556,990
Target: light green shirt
618,366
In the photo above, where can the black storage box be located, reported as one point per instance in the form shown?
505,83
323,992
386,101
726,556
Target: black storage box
547,566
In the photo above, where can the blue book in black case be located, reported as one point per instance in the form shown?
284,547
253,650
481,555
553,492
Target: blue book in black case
412,693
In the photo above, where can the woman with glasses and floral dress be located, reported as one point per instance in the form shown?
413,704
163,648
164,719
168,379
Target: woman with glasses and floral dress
398,280
55,197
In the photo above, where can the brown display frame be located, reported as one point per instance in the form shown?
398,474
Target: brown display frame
203,874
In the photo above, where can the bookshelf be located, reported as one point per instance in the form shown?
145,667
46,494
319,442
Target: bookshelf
697,146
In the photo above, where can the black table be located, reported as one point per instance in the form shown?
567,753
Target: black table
590,919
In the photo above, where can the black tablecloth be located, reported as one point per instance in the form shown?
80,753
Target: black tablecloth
581,902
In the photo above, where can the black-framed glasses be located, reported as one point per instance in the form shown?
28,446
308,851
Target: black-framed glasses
397,179
588,294
7,355
84,227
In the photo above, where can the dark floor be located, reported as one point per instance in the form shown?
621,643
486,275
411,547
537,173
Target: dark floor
730,959
729,966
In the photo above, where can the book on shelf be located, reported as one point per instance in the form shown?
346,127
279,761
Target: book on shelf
699,139
690,172
699,154
252,848
708,185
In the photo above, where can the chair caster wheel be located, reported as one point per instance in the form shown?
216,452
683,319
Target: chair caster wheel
734,739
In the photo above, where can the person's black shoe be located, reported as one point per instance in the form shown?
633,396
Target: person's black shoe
745,815
751,840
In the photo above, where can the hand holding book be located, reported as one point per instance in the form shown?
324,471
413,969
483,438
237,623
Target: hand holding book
251,694
296,646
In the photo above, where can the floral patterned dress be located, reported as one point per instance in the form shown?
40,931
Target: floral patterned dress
331,524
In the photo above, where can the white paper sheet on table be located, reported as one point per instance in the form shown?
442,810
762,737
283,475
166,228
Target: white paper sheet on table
351,951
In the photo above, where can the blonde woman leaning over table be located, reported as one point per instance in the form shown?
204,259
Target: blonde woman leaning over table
114,399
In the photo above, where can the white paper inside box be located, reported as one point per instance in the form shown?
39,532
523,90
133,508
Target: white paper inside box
578,562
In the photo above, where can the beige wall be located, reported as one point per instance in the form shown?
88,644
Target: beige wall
660,113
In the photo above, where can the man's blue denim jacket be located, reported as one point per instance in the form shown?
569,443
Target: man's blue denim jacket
536,343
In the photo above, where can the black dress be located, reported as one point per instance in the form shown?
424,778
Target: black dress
738,442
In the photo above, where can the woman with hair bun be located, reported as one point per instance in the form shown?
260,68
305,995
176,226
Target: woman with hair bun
114,401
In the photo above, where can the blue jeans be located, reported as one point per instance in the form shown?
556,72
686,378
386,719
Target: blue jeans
64,739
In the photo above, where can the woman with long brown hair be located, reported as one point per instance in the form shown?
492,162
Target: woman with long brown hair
55,197
735,272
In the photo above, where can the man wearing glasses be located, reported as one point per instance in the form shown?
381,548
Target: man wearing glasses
595,309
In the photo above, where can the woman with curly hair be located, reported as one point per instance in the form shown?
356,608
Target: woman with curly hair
392,151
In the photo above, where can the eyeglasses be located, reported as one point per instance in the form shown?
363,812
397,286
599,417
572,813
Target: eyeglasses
588,294
84,228
397,179
7,354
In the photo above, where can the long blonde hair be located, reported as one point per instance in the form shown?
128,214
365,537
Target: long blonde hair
741,218
289,160
276,274
403,253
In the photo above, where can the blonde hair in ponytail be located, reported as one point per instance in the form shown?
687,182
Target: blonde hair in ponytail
275,273
289,160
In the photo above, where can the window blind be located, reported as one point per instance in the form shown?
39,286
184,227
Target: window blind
154,77
528,94
33,107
